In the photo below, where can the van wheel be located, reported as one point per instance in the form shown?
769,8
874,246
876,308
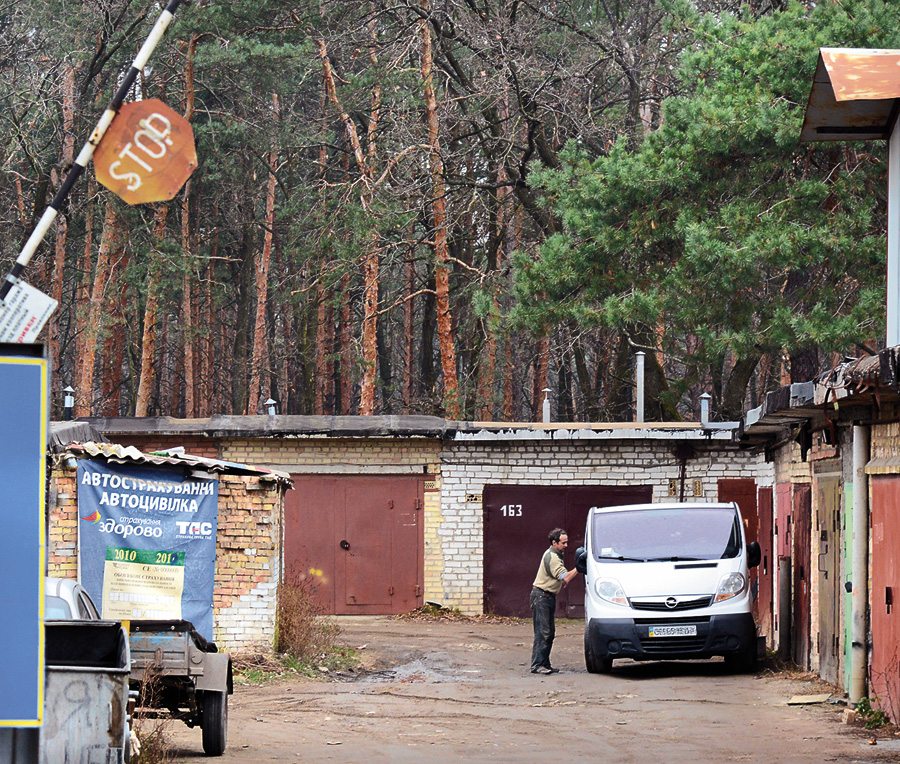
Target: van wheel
593,664
743,663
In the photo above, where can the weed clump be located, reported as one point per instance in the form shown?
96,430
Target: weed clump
153,733
301,631
873,718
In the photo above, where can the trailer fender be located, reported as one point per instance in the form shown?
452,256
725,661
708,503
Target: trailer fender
216,673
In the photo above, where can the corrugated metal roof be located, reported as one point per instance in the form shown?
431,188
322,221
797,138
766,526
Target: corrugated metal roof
118,454
867,381
854,95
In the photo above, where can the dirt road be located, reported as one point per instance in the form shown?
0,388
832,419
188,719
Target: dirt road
441,692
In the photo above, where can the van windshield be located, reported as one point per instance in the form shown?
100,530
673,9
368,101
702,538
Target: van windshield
682,533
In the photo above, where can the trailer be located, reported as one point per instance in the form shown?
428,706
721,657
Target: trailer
178,673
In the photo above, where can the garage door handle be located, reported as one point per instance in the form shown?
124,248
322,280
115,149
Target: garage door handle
345,544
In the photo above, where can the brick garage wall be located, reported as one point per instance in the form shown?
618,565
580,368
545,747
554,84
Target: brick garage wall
338,455
248,562
248,553
62,523
468,467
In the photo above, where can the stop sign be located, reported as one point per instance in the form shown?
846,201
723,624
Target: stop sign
147,153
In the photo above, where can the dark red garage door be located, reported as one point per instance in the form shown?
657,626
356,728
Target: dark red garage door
357,540
517,519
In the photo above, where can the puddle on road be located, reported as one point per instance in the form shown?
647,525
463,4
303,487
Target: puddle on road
426,669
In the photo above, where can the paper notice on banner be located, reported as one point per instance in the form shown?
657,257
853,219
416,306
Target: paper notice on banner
23,313
142,584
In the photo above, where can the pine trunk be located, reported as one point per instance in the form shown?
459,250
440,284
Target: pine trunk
151,308
68,157
187,309
260,340
110,242
369,330
409,333
439,213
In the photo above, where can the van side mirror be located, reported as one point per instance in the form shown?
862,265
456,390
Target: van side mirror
581,560
754,554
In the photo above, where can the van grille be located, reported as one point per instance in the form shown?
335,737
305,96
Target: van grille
670,645
660,606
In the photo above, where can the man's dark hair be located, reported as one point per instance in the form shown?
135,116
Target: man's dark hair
556,533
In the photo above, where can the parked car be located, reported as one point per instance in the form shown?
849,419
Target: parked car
66,600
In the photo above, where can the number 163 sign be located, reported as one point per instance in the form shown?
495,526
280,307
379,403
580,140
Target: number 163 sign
147,153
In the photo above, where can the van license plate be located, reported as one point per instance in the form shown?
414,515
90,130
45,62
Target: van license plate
674,631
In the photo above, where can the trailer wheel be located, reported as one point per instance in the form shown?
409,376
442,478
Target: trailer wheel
215,722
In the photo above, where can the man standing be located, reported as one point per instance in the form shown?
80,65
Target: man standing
552,576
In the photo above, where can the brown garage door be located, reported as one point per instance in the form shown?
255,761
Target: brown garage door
358,540
517,519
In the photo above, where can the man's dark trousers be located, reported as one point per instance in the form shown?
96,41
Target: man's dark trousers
543,608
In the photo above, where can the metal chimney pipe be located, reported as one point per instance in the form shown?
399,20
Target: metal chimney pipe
68,404
547,392
270,406
639,375
704,409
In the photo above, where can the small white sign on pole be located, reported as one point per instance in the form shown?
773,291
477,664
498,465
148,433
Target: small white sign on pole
23,313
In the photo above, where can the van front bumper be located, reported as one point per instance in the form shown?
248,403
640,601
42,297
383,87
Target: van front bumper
730,634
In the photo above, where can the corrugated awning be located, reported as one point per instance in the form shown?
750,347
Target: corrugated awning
855,95
118,454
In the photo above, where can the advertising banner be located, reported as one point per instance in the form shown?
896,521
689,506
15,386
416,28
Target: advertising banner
23,422
147,541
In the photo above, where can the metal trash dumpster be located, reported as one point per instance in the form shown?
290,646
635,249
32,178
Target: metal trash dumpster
86,693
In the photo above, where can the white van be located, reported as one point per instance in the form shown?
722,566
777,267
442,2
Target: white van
667,581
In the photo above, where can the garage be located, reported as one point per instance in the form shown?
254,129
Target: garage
357,540
517,519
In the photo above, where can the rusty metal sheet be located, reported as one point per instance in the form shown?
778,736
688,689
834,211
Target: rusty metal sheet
885,585
853,96
801,624
828,527
862,74
762,608
357,541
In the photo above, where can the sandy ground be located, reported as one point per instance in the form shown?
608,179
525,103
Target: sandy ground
454,691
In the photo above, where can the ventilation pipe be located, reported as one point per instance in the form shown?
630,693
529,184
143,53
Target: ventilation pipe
639,378
547,392
270,406
68,403
704,409
860,569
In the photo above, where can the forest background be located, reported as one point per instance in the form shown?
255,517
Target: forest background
446,206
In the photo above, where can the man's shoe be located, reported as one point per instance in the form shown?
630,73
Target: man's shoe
551,670
542,670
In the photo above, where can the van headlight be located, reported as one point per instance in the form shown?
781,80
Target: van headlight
611,590
730,586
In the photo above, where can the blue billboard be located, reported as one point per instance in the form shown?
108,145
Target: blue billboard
23,424
147,542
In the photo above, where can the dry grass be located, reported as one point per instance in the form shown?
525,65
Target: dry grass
434,612
300,629
153,734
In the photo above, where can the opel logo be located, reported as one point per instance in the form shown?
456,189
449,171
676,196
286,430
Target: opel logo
671,602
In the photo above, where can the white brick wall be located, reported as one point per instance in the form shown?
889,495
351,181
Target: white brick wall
468,466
